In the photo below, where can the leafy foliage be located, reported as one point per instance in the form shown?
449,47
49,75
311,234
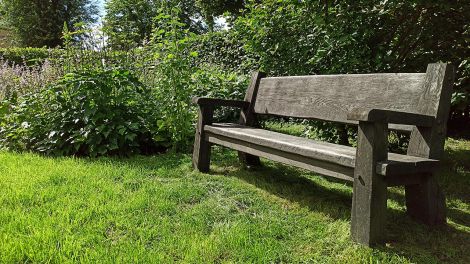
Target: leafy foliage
130,23
321,37
352,36
28,56
215,82
84,113
214,8
39,23
173,83
167,63
460,113
223,49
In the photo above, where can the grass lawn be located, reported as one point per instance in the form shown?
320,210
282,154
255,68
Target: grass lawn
157,209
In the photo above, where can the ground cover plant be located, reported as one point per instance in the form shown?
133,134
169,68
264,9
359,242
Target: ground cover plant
157,209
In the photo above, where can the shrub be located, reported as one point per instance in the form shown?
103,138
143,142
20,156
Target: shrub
181,74
223,49
172,77
216,82
292,37
85,113
28,56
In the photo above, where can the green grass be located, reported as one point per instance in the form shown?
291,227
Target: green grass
158,210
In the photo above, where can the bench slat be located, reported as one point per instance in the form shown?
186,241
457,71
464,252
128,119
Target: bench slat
322,167
332,97
344,156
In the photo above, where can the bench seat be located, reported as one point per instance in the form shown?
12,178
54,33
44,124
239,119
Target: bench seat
322,157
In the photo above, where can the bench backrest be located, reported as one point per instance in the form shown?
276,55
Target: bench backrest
331,97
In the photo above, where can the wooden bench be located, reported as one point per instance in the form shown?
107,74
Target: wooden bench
415,102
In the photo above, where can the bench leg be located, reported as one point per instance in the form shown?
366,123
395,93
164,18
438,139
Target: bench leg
425,202
202,148
249,160
201,155
369,205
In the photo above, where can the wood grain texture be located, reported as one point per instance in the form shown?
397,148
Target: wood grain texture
389,116
345,156
332,97
249,118
369,205
425,201
318,166
435,100
202,148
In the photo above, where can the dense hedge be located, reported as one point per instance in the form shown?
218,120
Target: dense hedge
224,49
308,37
28,56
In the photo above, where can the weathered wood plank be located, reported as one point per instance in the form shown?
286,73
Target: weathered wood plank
202,148
425,201
369,206
318,166
301,146
396,164
248,116
332,97
434,100
394,117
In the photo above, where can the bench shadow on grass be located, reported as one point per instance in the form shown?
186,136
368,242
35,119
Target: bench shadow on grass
405,237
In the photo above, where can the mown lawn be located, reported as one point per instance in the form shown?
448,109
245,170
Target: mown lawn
158,210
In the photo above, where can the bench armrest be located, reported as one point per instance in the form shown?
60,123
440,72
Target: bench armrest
390,116
204,101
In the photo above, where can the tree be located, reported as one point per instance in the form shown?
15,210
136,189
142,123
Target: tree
214,8
38,23
128,23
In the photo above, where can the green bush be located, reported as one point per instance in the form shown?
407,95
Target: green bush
216,82
85,113
28,56
291,37
223,49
